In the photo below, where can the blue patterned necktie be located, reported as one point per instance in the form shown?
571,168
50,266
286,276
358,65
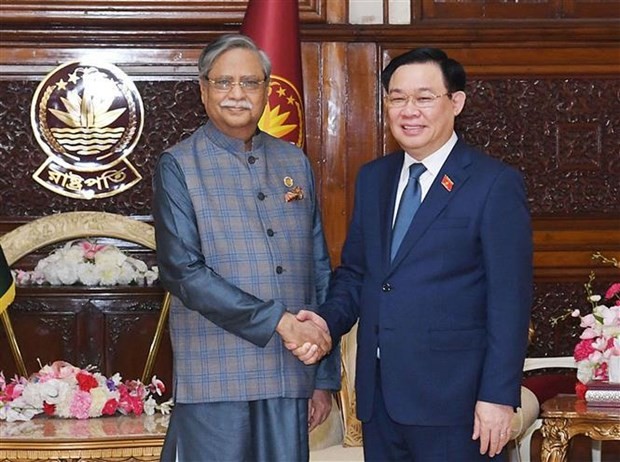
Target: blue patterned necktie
409,203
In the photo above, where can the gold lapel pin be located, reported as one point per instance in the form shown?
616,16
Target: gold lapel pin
288,182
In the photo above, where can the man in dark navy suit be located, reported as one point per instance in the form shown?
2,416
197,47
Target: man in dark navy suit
437,267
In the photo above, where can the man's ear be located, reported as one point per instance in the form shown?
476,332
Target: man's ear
203,92
458,101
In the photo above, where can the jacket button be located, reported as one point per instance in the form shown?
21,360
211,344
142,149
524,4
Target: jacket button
261,196
279,269
386,287
251,160
270,232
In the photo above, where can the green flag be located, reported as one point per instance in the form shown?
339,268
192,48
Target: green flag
7,284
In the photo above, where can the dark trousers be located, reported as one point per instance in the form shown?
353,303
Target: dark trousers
271,430
388,441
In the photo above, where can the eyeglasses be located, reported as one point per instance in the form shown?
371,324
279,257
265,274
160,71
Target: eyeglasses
423,100
227,84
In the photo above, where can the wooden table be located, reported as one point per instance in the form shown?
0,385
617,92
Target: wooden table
565,416
112,438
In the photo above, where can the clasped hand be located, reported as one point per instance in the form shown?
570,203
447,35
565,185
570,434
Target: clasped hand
306,335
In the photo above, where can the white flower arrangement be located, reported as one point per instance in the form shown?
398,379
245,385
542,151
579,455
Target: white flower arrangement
90,264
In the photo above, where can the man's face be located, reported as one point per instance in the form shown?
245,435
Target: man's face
235,112
420,131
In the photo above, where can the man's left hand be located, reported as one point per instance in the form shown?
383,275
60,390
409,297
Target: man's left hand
492,425
319,407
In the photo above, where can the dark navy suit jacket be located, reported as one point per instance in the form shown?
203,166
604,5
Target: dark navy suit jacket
451,312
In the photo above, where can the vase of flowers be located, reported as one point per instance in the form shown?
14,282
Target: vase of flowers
600,339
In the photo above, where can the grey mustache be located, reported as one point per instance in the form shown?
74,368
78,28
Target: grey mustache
236,104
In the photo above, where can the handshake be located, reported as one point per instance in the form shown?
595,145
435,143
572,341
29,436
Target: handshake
306,335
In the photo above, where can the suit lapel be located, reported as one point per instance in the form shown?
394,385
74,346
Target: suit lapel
436,199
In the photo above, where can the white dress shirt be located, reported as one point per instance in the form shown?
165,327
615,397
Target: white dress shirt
433,164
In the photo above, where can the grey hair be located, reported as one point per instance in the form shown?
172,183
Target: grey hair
225,43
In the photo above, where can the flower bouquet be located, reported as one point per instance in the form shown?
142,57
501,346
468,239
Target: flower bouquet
90,264
600,339
63,390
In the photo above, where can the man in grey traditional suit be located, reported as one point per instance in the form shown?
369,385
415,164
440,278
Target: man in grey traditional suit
241,248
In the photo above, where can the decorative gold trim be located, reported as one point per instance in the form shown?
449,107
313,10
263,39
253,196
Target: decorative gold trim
108,438
73,225
159,332
352,426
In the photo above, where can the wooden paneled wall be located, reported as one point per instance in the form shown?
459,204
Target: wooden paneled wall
543,95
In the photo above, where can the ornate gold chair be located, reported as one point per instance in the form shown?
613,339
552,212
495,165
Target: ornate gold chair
544,387
110,438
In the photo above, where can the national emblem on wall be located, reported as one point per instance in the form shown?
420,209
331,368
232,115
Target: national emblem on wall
87,118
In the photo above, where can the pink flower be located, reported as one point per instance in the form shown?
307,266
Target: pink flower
613,291
61,370
91,249
610,344
12,390
157,386
80,404
22,277
588,334
583,350
588,321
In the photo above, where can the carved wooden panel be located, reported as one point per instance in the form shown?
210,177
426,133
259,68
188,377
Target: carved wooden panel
556,332
110,328
172,111
561,133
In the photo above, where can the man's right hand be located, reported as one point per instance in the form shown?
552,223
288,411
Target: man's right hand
308,352
311,339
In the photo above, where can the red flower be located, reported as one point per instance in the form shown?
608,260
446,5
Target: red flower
580,390
583,350
137,405
48,408
86,381
109,408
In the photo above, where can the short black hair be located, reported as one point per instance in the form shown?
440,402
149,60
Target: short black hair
453,72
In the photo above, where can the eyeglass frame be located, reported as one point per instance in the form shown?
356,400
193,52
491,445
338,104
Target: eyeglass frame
415,99
232,83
